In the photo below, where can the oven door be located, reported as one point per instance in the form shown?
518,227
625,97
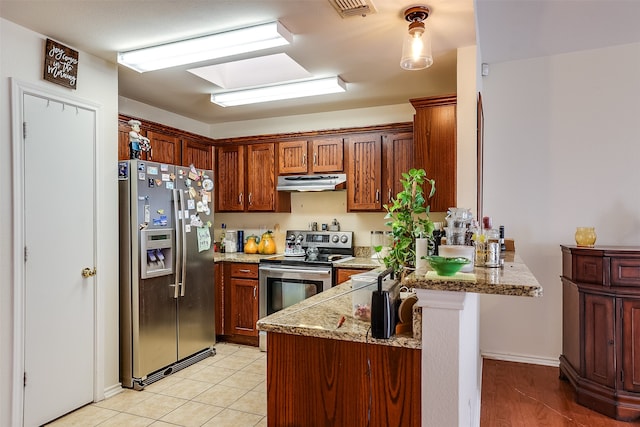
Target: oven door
282,286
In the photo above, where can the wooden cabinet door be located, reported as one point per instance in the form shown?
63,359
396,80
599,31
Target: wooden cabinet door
344,274
631,344
197,153
164,148
397,158
230,178
364,181
244,306
327,155
292,157
435,136
599,339
261,185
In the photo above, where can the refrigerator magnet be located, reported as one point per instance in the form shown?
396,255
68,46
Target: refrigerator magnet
152,170
207,185
164,167
169,185
191,204
158,182
187,228
142,176
151,183
165,177
172,176
192,192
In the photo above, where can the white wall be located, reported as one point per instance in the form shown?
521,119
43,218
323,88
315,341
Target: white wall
21,53
561,151
130,107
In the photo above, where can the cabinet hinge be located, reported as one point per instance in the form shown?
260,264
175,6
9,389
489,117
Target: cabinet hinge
622,376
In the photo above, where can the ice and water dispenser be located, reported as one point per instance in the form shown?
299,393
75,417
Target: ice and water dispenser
156,253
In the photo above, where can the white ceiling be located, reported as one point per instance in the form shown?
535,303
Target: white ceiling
363,51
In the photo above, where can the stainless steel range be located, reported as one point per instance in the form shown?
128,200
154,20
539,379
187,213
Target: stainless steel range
306,269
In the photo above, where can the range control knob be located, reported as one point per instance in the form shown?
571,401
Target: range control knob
334,238
344,238
300,237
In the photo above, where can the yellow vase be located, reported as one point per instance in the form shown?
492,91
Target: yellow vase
251,247
586,237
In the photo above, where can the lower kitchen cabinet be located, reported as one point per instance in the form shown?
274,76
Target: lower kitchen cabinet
344,274
327,382
601,328
237,285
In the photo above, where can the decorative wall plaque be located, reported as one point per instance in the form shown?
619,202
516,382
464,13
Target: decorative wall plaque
60,64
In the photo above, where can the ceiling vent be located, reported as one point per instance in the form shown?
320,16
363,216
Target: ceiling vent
347,8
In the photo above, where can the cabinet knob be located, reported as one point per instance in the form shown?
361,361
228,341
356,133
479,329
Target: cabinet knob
240,199
610,342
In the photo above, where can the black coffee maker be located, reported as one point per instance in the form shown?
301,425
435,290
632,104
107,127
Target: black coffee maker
384,309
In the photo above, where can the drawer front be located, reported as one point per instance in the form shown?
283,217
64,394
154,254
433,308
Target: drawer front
244,271
589,269
625,272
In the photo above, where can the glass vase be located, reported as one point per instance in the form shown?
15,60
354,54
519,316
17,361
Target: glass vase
585,237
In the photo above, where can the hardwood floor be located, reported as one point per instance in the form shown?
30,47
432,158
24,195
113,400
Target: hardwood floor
518,394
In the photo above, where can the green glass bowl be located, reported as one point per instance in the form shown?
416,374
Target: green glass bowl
446,266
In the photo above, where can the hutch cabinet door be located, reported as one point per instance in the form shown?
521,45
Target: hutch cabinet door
599,339
631,344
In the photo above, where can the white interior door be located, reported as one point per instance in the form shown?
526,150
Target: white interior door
59,169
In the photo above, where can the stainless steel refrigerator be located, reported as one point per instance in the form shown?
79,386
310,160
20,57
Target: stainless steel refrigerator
166,269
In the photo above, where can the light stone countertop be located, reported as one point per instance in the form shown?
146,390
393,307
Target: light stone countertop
514,278
318,316
239,257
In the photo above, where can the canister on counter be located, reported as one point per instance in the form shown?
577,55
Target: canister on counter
493,255
240,241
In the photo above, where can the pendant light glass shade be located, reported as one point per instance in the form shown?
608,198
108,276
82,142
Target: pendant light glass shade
416,49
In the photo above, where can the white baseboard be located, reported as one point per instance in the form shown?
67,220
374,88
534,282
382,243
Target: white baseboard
113,390
521,358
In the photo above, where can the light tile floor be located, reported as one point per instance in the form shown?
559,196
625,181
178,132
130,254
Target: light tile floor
226,390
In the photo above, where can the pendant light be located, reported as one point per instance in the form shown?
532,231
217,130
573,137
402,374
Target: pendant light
416,49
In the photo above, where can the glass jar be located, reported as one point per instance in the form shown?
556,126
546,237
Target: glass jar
585,237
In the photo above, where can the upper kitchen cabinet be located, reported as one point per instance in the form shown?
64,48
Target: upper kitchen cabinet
246,176
197,153
364,172
229,178
434,133
397,158
164,148
315,156
168,145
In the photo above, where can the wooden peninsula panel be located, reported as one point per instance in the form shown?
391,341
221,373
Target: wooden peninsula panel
320,382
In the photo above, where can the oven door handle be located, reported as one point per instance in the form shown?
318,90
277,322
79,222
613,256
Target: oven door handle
296,270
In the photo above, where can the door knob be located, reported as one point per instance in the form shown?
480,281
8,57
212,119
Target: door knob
87,272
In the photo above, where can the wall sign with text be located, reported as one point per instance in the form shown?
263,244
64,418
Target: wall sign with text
60,64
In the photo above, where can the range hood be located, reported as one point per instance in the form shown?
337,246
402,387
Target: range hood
328,182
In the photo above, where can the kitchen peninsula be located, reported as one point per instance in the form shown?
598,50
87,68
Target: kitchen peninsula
317,368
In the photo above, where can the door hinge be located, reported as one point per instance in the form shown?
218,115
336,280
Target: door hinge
24,130
25,254
24,380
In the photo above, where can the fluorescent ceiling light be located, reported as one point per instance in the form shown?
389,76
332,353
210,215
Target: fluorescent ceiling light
203,48
283,91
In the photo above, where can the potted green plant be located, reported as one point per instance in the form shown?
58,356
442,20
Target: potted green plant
408,217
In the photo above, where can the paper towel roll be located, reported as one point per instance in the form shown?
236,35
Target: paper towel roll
422,249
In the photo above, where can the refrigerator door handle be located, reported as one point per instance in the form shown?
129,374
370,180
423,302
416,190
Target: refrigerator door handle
183,231
177,257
